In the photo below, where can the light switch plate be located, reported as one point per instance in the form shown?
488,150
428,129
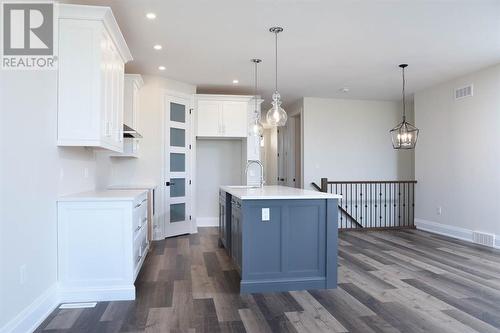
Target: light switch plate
265,214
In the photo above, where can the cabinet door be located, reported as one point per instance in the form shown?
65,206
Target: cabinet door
235,119
209,118
107,84
222,221
79,117
118,111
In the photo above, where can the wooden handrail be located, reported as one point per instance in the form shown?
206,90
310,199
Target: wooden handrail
349,216
313,184
371,204
374,182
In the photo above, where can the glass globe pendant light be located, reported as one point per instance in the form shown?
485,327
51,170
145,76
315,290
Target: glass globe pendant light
404,135
256,129
276,116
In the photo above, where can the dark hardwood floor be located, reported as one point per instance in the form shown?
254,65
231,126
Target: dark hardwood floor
389,281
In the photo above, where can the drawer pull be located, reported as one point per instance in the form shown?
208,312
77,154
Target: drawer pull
138,228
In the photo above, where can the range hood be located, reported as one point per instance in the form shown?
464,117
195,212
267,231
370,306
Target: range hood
129,132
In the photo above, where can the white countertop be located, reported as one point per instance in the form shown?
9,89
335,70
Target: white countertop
104,195
148,186
276,192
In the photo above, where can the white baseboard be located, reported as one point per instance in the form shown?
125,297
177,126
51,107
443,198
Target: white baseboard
77,295
35,313
207,221
448,230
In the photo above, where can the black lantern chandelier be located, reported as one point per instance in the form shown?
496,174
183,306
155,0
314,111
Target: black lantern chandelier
404,135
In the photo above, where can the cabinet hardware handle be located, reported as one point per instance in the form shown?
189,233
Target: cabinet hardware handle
138,228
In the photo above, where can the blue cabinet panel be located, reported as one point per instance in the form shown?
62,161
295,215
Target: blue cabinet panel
305,240
295,250
265,235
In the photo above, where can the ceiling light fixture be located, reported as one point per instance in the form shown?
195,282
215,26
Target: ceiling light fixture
157,47
276,116
404,135
236,81
257,129
151,16
344,90
162,68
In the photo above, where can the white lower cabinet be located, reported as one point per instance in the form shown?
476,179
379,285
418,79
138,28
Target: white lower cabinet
102,244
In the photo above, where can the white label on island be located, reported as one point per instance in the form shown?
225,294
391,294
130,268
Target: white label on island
265,214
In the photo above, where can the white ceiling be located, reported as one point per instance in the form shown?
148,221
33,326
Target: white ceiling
326,45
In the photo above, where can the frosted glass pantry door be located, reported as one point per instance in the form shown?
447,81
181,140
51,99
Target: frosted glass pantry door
178,218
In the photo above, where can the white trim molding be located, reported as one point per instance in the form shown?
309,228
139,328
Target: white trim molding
448,230
207,221
34,314
89,294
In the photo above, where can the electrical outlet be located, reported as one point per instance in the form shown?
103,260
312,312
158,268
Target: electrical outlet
61,174
439,210
22,274
86,172
265,214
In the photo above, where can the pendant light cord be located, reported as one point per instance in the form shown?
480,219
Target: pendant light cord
404,103
255,91
276,62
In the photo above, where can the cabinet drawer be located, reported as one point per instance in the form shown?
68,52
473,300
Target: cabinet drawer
139,215
141,246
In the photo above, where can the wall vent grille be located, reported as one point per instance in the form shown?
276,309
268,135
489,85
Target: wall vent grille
483,238
78,305
464,92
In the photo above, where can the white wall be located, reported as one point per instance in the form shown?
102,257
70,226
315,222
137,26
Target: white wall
458,153
33,173
269,155
218,162
147,169
349,140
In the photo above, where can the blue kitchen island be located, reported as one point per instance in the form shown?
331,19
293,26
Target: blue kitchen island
280,238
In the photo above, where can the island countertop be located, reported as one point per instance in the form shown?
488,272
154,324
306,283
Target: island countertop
275,192
104,195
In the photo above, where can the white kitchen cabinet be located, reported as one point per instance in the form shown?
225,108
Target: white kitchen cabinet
92,55
102,244
222,116
133,83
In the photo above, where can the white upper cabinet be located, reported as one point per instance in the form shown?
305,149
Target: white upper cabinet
133,83
222,116
209,118
235,119
92,56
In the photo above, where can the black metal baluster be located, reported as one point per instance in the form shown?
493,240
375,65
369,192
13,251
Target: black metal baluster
399,204
385,205
413,205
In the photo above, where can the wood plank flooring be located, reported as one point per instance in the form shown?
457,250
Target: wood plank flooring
389,281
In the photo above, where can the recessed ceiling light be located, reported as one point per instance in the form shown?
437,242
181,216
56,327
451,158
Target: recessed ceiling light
236,81
344,90
151,16
157,47
162,68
